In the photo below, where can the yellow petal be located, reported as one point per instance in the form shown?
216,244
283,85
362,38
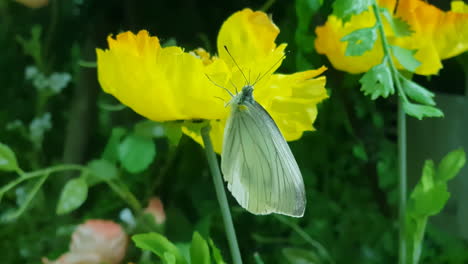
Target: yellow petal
161,84
437,35
250,38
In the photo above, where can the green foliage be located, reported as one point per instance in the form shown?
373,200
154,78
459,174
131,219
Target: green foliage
400,27
73,195
378,81
348,164
406,58
136,153
428,198
170,253
8,160
344,9
360,41
421,111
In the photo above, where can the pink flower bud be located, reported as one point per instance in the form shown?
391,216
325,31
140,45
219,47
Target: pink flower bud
156,209
95,242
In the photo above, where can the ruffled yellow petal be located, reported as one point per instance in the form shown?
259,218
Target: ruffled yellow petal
293,105
161,84
250,38
437,35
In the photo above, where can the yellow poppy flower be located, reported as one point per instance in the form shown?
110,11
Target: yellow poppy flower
436,35
165,84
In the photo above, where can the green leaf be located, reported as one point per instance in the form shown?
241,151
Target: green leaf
421,111
215,253
417,92
450,165
344,9
199,251
136,153
73,195
111,151
101,170
296,255
7,159
406,58
158,244
400,27
377,81
169,258
360,41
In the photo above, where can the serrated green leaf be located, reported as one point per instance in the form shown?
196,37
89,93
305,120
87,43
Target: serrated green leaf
400,27
360,41
344,9
450,165
73,195
406,58
169,258
8,160
421,111
158,244
377,81
101,170
136,153
215,253
199,251
427,179
417,92
111,151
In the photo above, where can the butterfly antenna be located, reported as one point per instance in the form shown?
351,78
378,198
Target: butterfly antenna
235,87
219,85
245,78
263,75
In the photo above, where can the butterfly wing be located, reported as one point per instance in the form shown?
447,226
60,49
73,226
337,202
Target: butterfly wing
258,165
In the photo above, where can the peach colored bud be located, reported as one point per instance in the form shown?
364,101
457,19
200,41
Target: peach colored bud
95,242
156,209
33,3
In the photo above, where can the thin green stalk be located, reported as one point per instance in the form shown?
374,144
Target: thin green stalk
221,195
320,249
401,139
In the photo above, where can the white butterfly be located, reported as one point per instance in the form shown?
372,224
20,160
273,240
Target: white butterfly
256,161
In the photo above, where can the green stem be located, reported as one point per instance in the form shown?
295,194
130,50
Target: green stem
38,173
401,138
221,195
320,249
402,180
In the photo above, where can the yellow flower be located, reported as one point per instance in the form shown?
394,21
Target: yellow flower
436,35
165,84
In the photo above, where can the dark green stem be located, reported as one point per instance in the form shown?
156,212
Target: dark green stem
221,195
401,138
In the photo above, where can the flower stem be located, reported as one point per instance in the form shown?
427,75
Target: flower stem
402,180
221,195
401,138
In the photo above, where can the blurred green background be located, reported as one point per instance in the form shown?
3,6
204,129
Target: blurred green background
348,164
